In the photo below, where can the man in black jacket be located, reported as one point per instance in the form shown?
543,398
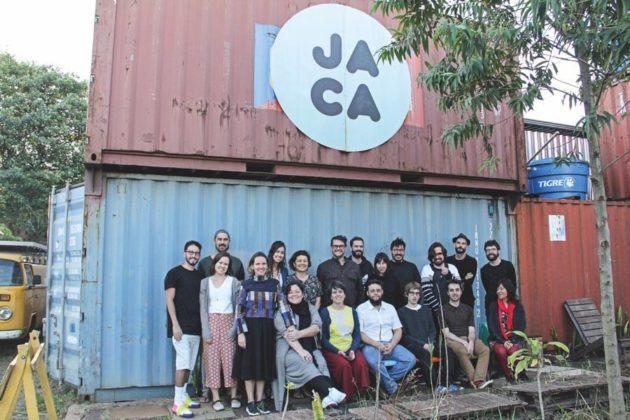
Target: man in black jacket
466,266
496,269
340,269
401,270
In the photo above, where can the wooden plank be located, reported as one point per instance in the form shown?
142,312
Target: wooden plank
589,317
455,405
579,301
583,307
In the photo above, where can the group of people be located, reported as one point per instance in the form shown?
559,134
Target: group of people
325,333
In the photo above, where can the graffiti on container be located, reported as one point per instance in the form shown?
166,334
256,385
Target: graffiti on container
200,107
225,109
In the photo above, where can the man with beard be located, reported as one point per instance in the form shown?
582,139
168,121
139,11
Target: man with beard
381,332
458,328
181,285
466,266
357,247
401,270
343,270
496,269
435,277
222,244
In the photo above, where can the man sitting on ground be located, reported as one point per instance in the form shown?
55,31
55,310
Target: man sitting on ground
458,327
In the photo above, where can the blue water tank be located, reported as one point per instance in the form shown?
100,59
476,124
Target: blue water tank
550,180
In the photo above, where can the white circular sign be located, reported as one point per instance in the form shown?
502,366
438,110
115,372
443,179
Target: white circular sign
327,77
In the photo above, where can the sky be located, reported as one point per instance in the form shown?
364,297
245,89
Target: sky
59,33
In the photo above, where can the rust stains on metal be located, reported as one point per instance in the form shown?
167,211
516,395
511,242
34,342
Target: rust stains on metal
553,271
615,143
184,72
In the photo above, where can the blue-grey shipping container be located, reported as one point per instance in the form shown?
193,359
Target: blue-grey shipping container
135,229
64,309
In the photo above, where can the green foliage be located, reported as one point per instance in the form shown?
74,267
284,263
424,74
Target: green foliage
316,405
498,54
7,235
622,323
42,135
531,355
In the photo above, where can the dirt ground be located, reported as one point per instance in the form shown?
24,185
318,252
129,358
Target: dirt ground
63,395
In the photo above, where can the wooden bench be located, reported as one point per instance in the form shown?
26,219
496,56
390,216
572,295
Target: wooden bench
588,323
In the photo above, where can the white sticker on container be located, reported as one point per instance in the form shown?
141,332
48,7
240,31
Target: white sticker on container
557,228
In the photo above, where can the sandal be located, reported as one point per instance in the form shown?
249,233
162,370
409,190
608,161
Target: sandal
217,406
235,403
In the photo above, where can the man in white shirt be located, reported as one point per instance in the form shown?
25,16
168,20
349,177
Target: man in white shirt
435,277
381,331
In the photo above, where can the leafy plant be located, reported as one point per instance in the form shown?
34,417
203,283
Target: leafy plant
622,322
288,386
318,411
531,355
486,57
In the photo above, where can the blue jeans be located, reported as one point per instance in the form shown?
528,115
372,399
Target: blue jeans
405,361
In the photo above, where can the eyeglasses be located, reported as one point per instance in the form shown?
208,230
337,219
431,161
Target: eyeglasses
192,253
338,246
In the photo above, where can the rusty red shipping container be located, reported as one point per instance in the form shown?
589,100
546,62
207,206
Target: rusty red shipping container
615,143
173,87
552,272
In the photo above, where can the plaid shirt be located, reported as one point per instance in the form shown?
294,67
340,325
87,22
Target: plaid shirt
260,298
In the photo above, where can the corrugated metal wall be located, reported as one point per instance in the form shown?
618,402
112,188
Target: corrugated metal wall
173,87
64,285
138,233
615,143
560,146
553,271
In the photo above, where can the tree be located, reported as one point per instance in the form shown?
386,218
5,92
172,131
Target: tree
498,53
43,116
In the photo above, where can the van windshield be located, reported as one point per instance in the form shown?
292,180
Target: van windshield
10,273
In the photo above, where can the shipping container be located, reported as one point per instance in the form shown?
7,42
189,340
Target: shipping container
63,305
615,143
186,85
557,253
109,333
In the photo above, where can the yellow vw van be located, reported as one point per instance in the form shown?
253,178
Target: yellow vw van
22,288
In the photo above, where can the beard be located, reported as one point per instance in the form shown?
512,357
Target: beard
492,257
357,254
460,250
192,261
376,302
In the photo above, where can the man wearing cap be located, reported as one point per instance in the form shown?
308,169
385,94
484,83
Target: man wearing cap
466,266
222,244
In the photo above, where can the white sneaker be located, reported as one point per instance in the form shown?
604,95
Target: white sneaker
182,411
485,384
188,402
336,395
327,402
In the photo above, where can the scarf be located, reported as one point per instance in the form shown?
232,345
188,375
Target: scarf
304,321
506,318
